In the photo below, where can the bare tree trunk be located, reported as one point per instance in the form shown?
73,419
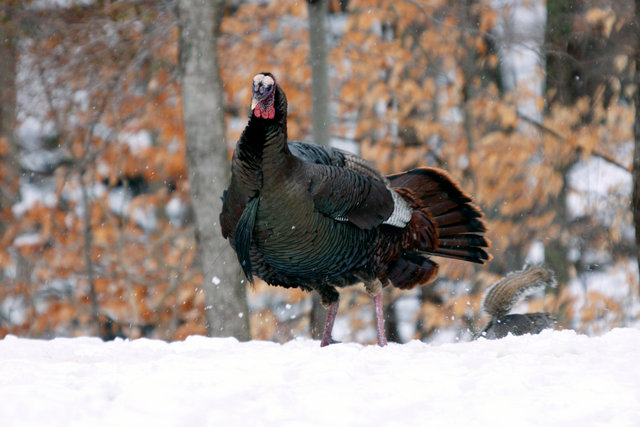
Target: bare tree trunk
635,199
391,322
88,246
320,110
560,67
8,62
208,164
8,66
635,204
319,71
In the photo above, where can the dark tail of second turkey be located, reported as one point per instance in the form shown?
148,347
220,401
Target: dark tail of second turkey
445,223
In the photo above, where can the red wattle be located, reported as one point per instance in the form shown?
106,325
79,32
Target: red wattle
266,113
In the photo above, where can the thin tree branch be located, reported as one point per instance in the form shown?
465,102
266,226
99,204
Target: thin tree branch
541,127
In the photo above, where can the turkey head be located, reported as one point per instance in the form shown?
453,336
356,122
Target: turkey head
262,101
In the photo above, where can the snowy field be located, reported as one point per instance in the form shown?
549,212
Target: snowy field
557,378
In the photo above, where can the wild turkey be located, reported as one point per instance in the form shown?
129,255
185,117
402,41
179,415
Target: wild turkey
301,215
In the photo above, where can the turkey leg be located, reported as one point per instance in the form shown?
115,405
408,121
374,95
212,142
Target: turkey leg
382,336
374,289
328,326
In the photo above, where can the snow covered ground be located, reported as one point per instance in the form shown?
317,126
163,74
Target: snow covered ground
558,378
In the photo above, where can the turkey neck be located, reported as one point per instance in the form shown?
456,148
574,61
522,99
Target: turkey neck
263,143
275,152
276,157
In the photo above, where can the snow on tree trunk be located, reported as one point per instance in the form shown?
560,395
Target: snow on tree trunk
208,164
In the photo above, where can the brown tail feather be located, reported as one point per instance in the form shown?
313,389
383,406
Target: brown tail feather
460,215
432,185
455,223
475,255
412,269
442,207
473,226
463,241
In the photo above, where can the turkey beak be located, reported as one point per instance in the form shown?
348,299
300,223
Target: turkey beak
254,102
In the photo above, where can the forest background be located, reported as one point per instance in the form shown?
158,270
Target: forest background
532,106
